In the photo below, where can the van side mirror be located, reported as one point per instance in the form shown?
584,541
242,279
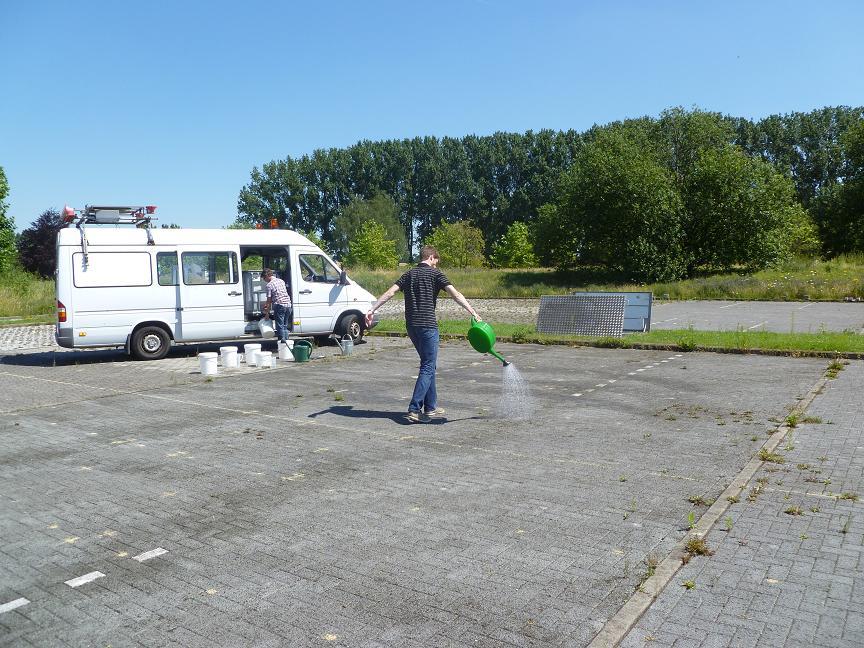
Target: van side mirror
343,278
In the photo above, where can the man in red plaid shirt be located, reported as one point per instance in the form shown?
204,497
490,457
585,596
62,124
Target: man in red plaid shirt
280,301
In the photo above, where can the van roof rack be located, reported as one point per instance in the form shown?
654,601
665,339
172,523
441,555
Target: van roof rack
110,215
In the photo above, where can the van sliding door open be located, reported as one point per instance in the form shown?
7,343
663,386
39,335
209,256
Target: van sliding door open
211,292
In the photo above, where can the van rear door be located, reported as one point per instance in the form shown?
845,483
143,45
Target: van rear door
211,293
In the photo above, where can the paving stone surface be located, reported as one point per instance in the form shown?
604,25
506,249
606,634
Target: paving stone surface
297,507
788,567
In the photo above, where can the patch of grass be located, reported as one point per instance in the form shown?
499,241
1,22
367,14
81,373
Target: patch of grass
794,510
338,397
26,296
698,500
685,340
733,499
852,497
797,279
811,419
688,584
771,457
727,523
691,520
845,528
792,420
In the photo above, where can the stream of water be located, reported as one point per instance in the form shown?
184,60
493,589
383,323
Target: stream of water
516,403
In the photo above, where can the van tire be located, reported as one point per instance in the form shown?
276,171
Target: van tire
150,343
350,325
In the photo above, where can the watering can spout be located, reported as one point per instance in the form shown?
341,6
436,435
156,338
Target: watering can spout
482,338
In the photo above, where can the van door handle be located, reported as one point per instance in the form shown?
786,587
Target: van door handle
234,293
306,292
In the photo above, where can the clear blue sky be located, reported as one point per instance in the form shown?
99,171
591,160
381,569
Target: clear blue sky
173,103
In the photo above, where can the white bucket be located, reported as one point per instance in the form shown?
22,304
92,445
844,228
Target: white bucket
209,363
264,359
285,351
249,350
229,357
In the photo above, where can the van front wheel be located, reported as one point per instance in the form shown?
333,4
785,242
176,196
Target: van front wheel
350,325
150,343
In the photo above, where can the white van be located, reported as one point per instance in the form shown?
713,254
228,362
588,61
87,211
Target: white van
145,289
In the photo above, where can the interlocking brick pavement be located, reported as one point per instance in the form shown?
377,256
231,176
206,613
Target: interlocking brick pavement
297,507
789,563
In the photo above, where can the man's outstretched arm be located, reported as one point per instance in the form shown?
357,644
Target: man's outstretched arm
460,299
383,299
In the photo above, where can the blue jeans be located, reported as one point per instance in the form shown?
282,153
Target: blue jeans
282,317
425,396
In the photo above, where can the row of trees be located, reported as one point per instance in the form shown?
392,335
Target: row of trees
653,197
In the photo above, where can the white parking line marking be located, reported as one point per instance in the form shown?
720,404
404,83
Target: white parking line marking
806,306
577,395
601,385
612,380
11,605
640,370
147,555
731,305
86,578
632,373
749,328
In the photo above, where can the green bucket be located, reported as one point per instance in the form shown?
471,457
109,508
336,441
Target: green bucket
302,350
482,338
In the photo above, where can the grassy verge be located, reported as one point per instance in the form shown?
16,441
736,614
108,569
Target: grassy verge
24,295
682,339
814,279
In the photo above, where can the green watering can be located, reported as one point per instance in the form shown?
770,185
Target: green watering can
482,338
302,350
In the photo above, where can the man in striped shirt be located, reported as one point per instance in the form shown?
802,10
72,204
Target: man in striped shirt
280,302
421,285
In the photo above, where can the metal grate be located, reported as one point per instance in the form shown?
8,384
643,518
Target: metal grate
601,315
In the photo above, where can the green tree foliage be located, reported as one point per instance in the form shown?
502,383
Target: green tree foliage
37,245
496,180
371,247
515,249
382,209
618,207
807,146
8,253
839,207
459,244
741,211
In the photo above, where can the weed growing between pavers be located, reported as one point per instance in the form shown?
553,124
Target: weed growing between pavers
852,497
835,367
698,500
794,510
696,546
688,584
651,561
771,457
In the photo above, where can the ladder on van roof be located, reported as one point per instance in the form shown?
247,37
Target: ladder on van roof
104,215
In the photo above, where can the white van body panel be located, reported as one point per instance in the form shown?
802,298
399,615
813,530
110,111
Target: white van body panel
190,283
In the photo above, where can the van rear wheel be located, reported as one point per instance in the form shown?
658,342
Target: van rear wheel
150,343
350,325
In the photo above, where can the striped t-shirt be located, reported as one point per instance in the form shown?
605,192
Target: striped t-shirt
277,293
421,285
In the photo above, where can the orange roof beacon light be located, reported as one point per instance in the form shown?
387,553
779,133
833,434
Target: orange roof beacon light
259,226
68,214
274,223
